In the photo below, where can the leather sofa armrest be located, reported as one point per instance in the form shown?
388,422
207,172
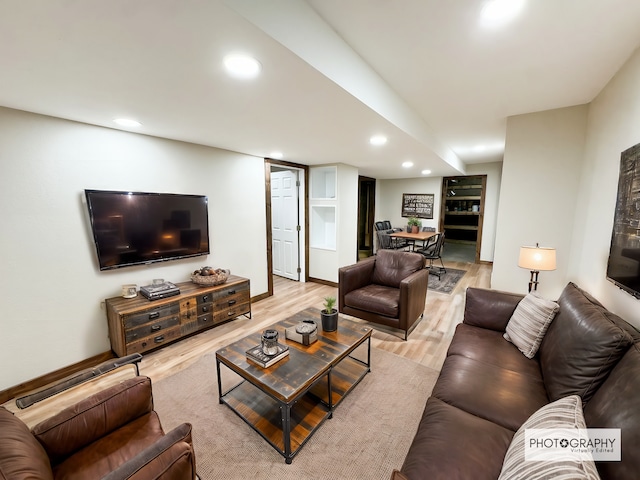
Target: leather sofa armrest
171,457
353,277
490,309
413,293
398,475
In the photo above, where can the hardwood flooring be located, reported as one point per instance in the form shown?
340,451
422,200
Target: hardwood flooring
427,344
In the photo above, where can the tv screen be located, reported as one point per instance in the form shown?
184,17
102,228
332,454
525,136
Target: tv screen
137,228
623,267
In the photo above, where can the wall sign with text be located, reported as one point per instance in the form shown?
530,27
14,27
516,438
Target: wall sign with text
419,205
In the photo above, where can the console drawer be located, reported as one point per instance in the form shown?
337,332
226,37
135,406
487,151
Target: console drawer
154,341
151,328
131,321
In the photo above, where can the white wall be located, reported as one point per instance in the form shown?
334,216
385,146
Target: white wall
51,286
613,126
540,180
324,262
389,201
561,167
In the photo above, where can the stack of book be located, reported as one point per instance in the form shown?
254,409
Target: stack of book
256,355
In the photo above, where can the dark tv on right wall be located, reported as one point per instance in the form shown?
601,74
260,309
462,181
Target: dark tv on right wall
623,267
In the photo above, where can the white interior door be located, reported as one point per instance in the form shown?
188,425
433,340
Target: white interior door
284,224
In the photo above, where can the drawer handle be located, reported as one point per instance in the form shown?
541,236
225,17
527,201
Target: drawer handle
231,292
205,309
154,315
232,302
231,314
159,339
205,298
155,328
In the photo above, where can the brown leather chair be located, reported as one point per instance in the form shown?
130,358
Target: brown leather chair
113,434
389,288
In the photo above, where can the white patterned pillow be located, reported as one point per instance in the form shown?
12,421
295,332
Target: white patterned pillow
565,413
530,322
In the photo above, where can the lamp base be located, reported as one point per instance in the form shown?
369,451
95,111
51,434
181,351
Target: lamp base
533,282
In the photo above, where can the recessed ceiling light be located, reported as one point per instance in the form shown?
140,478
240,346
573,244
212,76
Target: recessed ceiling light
407,164
127,122
426,172
242,66
378,140
497,12
276,155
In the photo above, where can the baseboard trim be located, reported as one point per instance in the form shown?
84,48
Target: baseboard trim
52,377
323,282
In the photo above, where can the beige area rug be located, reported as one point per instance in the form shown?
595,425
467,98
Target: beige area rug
368,436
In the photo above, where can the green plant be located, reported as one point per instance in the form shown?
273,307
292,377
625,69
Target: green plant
329,303
414,222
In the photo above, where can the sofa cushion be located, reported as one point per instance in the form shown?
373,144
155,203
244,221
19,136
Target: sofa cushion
581,346
489,346
565,413
497,394
616,404
376,299
21,456
394,266
530,322
453,444
490,309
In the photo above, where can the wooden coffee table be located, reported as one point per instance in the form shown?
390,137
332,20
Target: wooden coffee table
288,401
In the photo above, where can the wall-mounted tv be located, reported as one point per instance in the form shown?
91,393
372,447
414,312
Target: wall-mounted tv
137,228
623,267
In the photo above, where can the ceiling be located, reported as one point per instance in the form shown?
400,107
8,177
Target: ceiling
425,73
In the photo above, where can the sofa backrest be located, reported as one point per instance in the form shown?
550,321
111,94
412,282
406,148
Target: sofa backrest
124,402
582,345
616,404
21,456
393,266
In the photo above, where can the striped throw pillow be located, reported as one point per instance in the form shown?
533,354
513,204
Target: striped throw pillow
565,413
529,323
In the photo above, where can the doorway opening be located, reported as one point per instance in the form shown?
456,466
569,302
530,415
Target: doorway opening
366,213
462,216
287,224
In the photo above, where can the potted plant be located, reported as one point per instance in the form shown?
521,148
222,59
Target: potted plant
413,225
329,315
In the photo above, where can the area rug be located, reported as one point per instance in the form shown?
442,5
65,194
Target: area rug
447,281
368,436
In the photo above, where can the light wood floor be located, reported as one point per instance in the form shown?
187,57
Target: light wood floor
427,344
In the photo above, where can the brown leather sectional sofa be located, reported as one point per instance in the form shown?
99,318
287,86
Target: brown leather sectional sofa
487,388
114,434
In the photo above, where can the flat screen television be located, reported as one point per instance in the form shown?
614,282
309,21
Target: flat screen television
138,228
623,267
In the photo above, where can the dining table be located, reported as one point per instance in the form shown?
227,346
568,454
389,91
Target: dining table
412,238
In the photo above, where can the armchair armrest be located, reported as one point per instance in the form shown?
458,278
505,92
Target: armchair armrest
354,276
67,432
171,457
490,309
413,294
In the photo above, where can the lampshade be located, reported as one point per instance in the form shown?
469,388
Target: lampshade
537,258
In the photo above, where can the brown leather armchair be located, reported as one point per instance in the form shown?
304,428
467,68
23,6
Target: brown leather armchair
389,288
113,434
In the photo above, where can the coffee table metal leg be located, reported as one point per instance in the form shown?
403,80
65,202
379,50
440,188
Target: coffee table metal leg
329,394
285,411
219,382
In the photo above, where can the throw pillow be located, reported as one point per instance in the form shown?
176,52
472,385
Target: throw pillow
530,322
565,413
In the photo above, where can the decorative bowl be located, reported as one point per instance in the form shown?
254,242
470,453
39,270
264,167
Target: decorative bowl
219,277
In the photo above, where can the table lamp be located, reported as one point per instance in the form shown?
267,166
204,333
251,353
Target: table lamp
536,259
